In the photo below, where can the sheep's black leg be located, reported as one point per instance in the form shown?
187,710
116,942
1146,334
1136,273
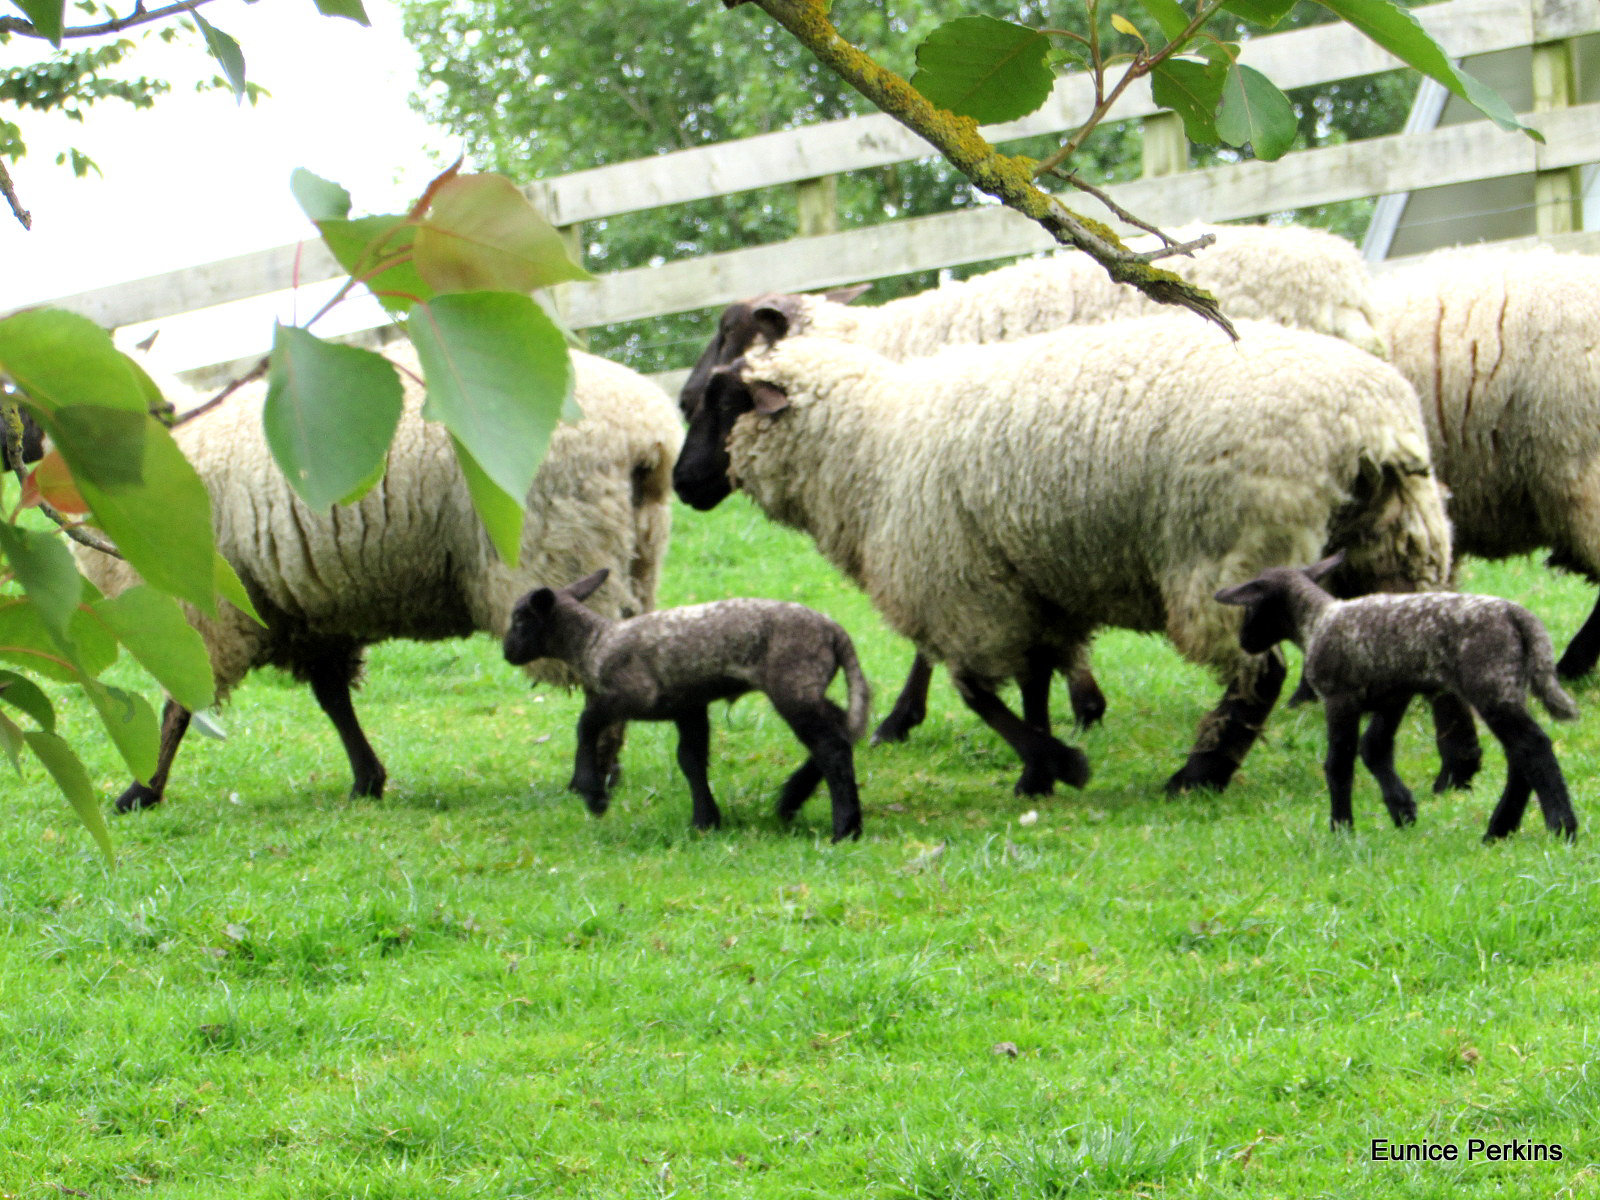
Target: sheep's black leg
1583,651
823,730
589,767
1377,751
1456,736
1530,763
1088,701
331,676
1044,759
1343,719
911,708
694,757
174,722
1228,731
1303,693
1035,684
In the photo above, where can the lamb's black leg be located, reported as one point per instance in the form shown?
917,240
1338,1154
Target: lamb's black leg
1456,736
1343,718
174,722
1228,731
694,757
797,789
331,676
911,708
824,731
1088,701
1377,751
1530,763
1583,651
588,766
1044,759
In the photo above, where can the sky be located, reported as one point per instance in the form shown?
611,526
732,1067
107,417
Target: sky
200,177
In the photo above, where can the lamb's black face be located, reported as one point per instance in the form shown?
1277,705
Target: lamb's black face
530,623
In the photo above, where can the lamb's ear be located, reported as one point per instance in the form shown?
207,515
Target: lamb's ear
846,294
1317,572
770,321
769,397
585,587
539,601
1243,593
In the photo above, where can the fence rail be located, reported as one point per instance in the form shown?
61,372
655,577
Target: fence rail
1403,162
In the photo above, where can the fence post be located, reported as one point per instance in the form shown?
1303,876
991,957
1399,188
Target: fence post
1557,194
1166,149
817,206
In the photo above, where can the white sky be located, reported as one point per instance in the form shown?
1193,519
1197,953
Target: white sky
199,177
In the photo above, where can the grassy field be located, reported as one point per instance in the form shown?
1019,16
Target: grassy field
473,989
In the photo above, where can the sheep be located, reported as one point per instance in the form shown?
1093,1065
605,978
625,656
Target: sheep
1304,278
411,559
1374,653
1500,346
670,665
999,503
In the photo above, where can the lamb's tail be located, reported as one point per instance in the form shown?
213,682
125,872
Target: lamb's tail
1541,660
860,701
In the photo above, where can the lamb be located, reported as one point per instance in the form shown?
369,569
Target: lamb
1000,503
670,665
411,559
1295,276
1374,653
1500,346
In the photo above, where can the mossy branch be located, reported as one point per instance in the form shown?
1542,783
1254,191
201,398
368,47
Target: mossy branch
1007,178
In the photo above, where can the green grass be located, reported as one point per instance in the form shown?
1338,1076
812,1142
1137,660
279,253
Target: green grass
473,989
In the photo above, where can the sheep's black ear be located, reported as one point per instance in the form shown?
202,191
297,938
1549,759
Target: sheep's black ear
770,321
769,397
586,586
1317,572
1244,593
846,294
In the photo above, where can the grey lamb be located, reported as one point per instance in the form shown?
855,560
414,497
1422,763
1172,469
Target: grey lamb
670,666
1374,653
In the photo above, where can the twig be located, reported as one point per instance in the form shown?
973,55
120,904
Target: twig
139,16
1168,245
10,193
254,373
1009,179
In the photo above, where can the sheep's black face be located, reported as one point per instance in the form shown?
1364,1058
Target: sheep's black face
766,317
701,475
530,624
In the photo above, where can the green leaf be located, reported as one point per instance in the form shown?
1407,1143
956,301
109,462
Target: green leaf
1259,12
984,68
1192,90
359,245
45,569
64,767
231,588
320,199
27,641
350,9
48,17
59,358
1169,15
480,234
330,414
23,693
160,520
225,50
1255,111
132,724
1398,32
93,646
500,512
152,627
497,372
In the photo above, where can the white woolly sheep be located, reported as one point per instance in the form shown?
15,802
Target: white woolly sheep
999,503
1374,653
1303,278
1500,346
411,558
670,666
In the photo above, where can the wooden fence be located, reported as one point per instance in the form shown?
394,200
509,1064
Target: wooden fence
1168,193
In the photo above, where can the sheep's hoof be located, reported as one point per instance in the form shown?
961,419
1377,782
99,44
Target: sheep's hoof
851,830
1090,713
1200,774
1071,765
1454,775
596,802
1037,780
896,727
136,797
371,787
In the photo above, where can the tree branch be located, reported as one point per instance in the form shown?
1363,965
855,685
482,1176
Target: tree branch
139,16
10,193
254,373
1008,179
